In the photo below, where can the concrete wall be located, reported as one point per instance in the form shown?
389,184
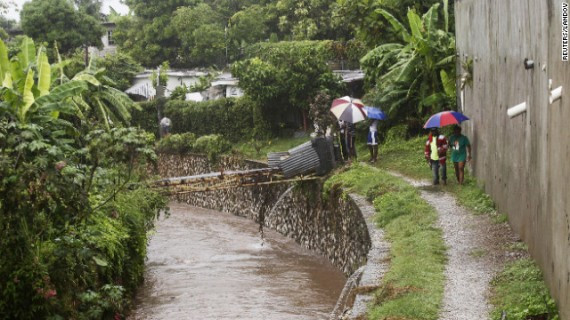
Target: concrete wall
523,162
333,227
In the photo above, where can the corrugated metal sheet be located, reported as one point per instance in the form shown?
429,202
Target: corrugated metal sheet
304,159
275,158
301,147
312,156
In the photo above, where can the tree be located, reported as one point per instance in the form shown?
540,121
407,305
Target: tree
321,114
4,5
249,26
311,20
149,36
201,34
65,237
90,7
102,103
5,26
415,76
58,21
26,92
120,68
365,19
284,78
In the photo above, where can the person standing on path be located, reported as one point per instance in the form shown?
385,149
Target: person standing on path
460,153
351,140
165,125
435,153
373,141
342,130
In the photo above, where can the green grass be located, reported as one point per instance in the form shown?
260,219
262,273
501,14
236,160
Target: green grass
519,290
413,286
258,149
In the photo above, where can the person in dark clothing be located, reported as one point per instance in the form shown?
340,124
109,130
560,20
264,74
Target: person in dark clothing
344,150
351,140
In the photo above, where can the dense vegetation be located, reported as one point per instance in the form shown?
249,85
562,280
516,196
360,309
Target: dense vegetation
214,32
414,76
283,78
75,213
69,24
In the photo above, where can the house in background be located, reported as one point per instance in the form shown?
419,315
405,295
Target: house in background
109,46
223,86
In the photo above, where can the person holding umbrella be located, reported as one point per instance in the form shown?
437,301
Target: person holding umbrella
459,145
374,114
436,155
350,111
436,145
372,141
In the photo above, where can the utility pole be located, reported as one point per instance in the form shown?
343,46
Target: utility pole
226,42
158,111
86,57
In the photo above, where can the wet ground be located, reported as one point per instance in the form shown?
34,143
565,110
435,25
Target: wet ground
204,264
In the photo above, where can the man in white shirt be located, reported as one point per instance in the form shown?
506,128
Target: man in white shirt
373,141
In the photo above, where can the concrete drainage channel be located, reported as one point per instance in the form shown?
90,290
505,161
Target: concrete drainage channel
359,288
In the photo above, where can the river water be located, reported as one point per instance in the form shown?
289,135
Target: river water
204,264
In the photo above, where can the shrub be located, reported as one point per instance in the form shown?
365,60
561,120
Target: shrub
231,118
179,93
212,145
147,117
397,133
177,143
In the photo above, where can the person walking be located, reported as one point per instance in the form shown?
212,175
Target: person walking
372,141
460,153
351,140
435,153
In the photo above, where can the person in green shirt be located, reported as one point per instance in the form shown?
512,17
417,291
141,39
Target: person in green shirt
460,153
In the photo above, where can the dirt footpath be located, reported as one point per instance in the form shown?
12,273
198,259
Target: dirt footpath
477,249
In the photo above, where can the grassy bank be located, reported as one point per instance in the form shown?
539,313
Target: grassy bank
413,287
520,293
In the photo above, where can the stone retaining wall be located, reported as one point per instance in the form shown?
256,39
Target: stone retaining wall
333,227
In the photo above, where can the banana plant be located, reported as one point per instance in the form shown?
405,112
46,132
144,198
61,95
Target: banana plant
414,76
26,88
102,102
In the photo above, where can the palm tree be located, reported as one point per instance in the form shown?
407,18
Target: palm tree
412,77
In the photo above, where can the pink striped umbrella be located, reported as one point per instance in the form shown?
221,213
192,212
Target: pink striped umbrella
348,109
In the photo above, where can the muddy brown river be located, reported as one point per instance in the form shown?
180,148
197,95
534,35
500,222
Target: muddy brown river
204,264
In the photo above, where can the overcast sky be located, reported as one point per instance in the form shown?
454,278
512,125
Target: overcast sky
14,13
